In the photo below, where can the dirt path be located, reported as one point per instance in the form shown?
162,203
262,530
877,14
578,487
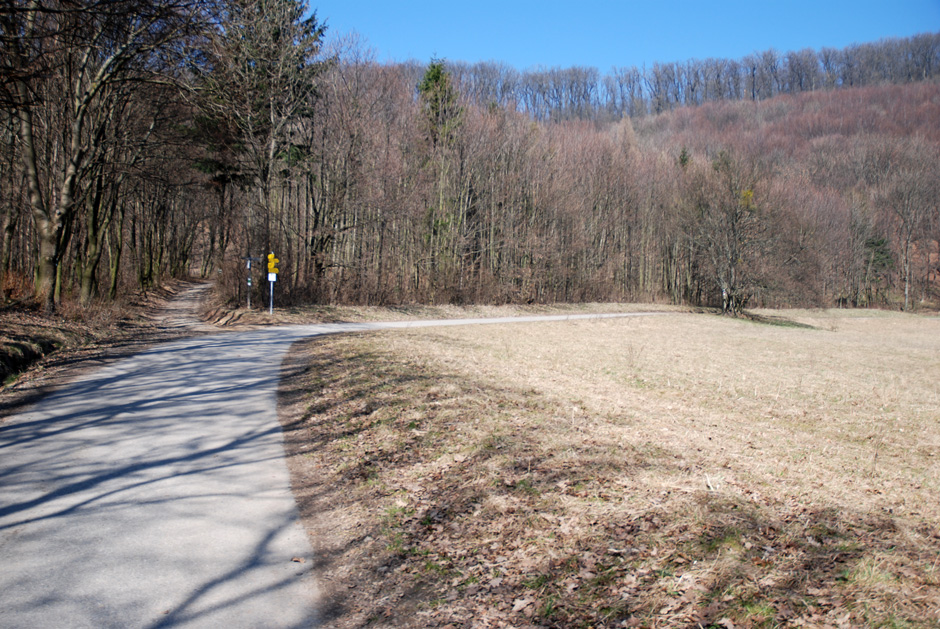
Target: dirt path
182,312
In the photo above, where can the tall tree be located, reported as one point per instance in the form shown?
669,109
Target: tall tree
446,210
725,222
260,75
440,103
910,194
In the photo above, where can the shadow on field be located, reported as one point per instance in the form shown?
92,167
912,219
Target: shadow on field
780,322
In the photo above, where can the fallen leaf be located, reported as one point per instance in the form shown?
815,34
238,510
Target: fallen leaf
521,603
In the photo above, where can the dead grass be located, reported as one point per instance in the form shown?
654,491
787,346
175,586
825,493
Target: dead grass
227,316
676,471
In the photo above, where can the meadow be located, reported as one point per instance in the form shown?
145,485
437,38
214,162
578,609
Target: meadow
675,470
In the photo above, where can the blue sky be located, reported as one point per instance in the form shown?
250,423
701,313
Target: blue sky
603,34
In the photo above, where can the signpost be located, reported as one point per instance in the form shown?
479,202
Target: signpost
249,260
272,277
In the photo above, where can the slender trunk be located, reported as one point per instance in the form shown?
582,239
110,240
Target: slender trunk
908,273
115,247
210,253
9,228
93,249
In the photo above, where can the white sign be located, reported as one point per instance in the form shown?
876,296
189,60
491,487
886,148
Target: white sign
272,277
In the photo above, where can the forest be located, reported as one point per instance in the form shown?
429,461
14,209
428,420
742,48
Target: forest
148,139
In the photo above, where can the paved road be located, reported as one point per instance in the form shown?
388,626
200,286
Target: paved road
154,492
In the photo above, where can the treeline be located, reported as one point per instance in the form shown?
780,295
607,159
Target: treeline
153,138
584,93
818,199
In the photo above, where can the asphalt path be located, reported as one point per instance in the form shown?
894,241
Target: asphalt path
154,492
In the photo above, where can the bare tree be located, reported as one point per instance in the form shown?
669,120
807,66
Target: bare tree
69,59
724,222
909,193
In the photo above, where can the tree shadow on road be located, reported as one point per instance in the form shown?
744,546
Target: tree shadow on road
161,473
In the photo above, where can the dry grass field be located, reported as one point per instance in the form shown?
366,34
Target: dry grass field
685,470
225,316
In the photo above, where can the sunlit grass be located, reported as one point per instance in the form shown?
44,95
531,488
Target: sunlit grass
653,468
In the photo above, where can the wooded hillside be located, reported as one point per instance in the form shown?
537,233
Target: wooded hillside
169,137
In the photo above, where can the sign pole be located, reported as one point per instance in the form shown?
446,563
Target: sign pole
272,277
248,260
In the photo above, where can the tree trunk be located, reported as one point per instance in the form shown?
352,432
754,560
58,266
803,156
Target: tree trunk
115,247
95,226
48,226
9,228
